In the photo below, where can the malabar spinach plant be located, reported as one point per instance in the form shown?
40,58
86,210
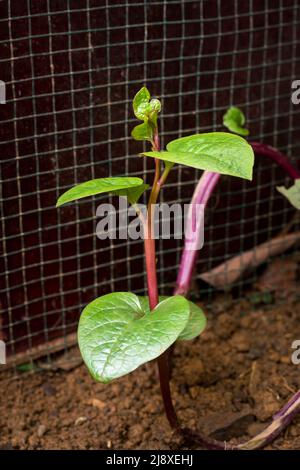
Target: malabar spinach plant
120,331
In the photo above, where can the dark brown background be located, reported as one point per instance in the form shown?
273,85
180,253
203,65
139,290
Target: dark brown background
71,69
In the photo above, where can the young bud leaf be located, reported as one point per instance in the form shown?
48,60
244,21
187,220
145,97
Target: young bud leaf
146,110
141,104
234,120
155,105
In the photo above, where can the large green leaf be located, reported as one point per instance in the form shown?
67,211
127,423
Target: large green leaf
101,185
292,193
117,333
234,120
219,152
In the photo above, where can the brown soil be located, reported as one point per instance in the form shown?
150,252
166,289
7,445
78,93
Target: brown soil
228,383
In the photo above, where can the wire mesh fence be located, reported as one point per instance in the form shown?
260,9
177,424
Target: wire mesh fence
71,69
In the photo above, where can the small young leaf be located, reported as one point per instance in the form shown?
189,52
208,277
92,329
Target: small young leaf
99,186
142,132
155,105
146,110
116,335
292,193
195,325
220,152
141,104
234,120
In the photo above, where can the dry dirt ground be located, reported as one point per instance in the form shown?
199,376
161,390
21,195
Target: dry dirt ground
227,383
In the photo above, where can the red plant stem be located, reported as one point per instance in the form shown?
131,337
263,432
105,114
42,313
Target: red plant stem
149,241
149,247
164,374
150,254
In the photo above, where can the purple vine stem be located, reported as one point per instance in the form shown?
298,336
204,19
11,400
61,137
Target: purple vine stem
277,157
280,421
202,193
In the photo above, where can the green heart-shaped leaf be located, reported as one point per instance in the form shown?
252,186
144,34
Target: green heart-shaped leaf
292,193
234,120
117,332
99,186
220,152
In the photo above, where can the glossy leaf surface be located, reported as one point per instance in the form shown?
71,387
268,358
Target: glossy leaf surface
117,333
99,186
219,152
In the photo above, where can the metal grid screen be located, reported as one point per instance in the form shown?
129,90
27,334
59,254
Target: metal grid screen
71,69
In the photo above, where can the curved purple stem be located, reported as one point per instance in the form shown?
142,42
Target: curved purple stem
277,157
202,193
280,421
